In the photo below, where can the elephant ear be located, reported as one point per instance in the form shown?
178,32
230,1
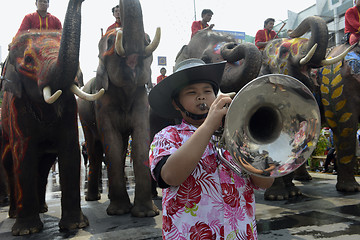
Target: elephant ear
11,81
79,79
102,77
182,54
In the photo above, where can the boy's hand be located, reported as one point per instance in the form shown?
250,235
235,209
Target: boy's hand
217,111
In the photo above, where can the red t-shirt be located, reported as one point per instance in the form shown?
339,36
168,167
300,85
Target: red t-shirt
264,35
35,21
352,22
160,78
196,26
113,26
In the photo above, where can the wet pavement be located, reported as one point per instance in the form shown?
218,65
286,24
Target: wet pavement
321,213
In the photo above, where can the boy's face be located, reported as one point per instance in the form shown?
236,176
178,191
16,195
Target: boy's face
207,17
116,12
42,5
192,97
269,25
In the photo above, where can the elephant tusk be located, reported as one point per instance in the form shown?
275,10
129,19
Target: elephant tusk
86,96
50,98
309,55
119,48
336,59
154,44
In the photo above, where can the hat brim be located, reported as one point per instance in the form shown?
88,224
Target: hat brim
160,97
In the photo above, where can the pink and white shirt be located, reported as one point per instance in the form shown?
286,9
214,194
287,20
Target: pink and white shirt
212,203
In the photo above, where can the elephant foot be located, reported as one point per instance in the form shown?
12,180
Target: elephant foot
145,210
346,186
118,208
305,176
276,193
12,212
43,208
293,191
279,193
26,226
92,197
73,221
301,174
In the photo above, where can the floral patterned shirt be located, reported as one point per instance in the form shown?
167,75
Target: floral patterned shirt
212,203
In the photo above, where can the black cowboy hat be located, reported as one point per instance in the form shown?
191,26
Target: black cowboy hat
187,72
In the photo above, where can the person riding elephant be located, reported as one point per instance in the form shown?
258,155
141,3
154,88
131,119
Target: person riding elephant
39,123
124,70
296,56
264,35
352,24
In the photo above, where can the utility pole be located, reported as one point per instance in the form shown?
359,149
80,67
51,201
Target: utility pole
194,11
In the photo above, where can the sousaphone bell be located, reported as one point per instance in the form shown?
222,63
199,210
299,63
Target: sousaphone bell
271,127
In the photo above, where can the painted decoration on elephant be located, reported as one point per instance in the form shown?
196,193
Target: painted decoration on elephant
279,51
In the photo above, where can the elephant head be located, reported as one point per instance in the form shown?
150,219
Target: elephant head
296,56
243,60
45,64
126,54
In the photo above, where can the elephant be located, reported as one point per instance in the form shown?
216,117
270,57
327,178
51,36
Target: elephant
340,88
125,57
39,123
296,56
243,59
243,64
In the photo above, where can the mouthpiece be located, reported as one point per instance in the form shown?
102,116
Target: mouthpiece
203,106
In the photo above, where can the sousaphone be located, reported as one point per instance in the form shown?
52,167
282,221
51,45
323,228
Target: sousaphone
271,128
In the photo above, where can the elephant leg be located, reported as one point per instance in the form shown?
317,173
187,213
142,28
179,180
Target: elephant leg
282,188
292,190
8,167
69,171
95,152
143,204
301,174
346,160
44,169
26,193
4,199
115,159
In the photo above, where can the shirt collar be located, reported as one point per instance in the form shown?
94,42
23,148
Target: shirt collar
185,126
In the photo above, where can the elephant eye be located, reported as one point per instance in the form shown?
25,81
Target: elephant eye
206,59
28,59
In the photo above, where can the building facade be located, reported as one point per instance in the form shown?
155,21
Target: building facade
332,11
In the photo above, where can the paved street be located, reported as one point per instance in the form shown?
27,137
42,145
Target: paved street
321,213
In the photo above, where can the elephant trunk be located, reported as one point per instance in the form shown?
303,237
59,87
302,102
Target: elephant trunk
319,36
68,58
133,37
238,74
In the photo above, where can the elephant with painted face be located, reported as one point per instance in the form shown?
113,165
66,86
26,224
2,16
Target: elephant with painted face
243,60
296,56
39,123
125,57
340,91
